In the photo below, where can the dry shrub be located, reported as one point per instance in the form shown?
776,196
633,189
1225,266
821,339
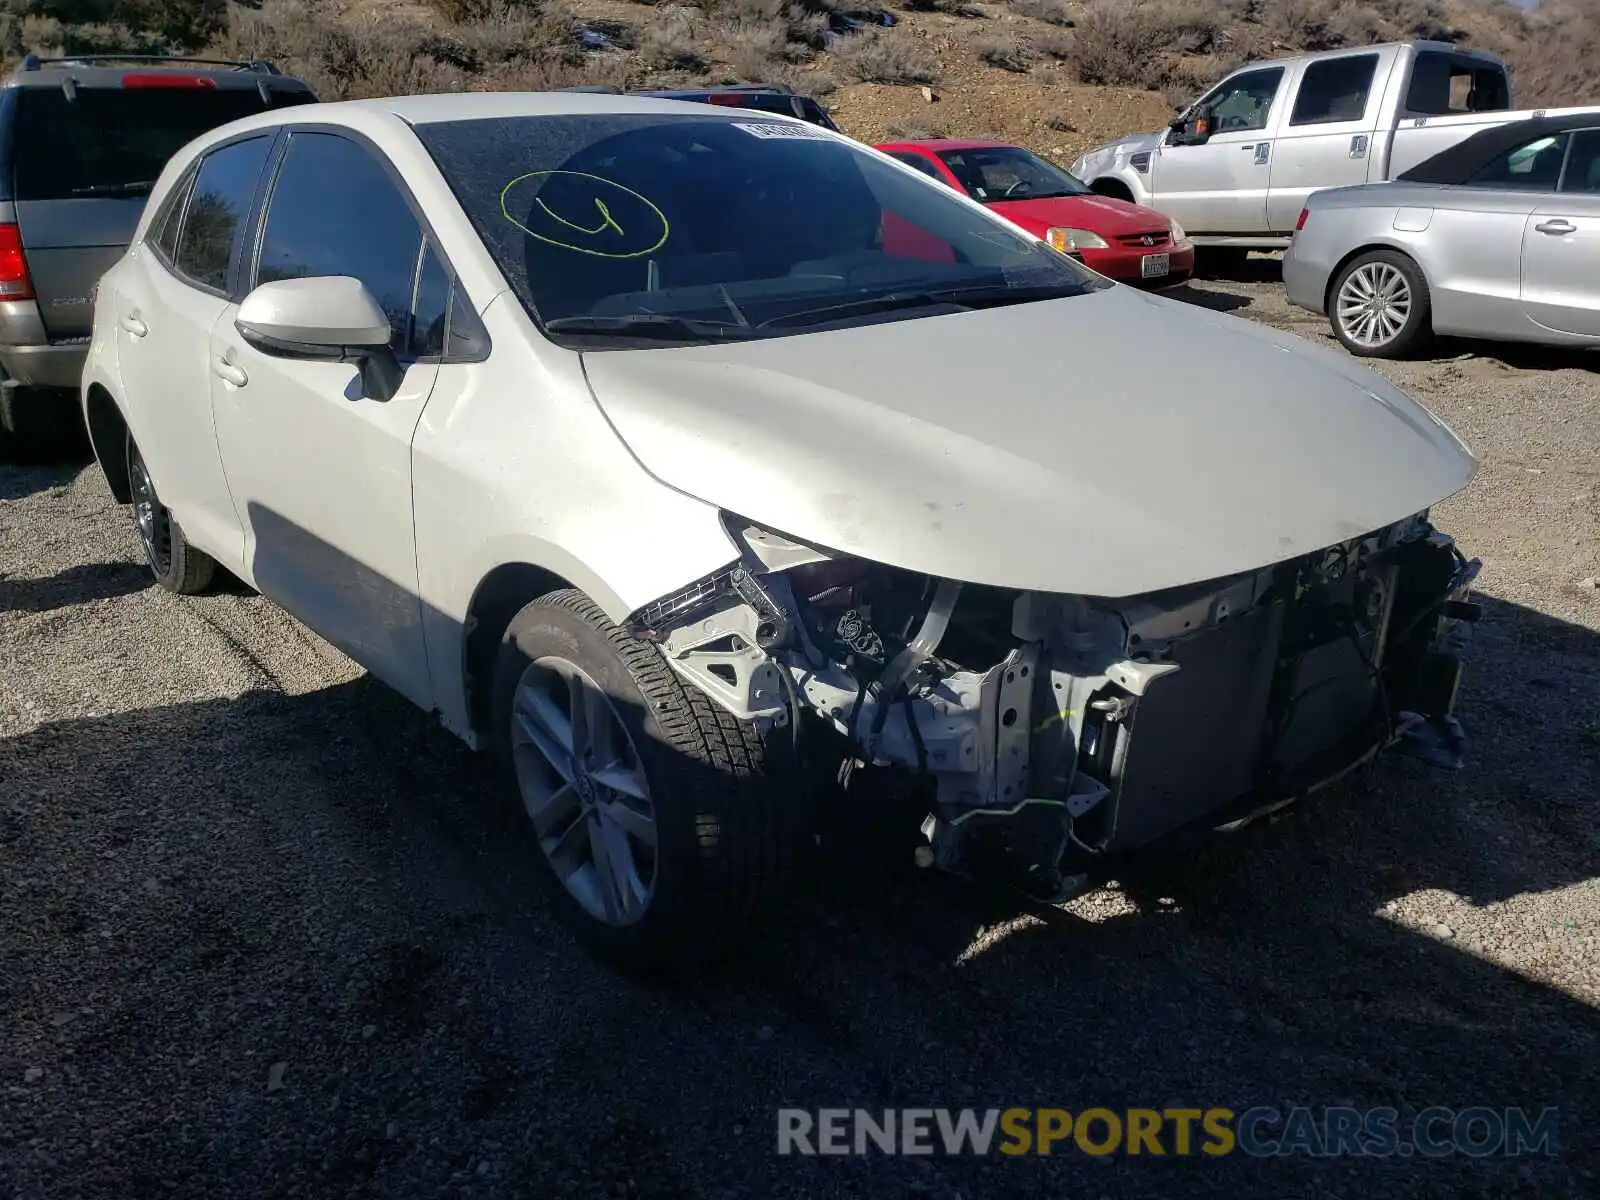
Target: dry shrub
1051,12
870,57
1007,53
1114,46
672,44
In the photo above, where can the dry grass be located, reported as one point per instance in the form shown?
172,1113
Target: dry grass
871,57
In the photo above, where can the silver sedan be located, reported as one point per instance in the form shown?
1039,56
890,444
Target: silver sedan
1497,237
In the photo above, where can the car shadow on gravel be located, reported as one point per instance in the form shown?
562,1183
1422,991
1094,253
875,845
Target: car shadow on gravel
1516,356
75,585
1209,298
19,480
284,943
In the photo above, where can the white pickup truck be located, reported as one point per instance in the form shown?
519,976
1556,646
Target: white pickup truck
1235,167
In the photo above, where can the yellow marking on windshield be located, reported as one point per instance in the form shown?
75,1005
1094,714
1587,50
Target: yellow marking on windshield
607,220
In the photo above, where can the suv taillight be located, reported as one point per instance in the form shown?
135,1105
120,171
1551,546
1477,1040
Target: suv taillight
14,281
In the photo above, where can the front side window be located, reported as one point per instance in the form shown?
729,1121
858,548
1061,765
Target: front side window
1534,166
694,228
335,210
214,220
1245,101
991,173
1334,89
1582,175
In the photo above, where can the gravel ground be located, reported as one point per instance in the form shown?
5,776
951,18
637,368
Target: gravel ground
255,939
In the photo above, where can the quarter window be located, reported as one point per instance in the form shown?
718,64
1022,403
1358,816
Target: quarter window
1534,166
919,162
169,220
335,210
1335,89
214,223
432,306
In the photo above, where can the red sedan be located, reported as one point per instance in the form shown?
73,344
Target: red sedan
1125,241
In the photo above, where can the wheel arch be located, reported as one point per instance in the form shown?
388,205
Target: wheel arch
1110,185
499,596
108,433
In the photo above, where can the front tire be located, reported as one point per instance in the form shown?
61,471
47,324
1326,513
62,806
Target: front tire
1379,306
654,818
176,565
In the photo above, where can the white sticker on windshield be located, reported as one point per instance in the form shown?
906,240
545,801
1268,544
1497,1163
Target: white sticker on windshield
782,129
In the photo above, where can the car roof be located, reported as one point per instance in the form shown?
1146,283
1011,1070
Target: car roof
938,144
109,70
1441,47
1454,164
477,106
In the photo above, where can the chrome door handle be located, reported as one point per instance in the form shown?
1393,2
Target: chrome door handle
1557,227
132,324
228,372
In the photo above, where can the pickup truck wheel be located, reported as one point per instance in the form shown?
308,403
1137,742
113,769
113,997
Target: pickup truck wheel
1379,306
177,565
651,815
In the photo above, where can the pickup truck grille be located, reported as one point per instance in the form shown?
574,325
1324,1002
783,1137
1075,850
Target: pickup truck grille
1156,237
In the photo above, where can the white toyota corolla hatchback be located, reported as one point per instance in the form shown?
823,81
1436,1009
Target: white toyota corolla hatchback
662,448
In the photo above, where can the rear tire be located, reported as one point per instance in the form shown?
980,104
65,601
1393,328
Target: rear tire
697,826
1379,306
176,565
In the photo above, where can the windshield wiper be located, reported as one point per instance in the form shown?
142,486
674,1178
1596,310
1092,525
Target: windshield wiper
139,187
653,325
983,295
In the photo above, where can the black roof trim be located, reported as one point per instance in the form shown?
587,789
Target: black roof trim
260,66
1455,164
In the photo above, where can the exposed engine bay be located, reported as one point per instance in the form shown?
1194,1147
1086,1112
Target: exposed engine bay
1053,729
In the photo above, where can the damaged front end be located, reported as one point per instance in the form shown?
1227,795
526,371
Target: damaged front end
1051,729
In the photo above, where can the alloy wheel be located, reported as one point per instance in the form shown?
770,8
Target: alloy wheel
155,524
584,789
1374,304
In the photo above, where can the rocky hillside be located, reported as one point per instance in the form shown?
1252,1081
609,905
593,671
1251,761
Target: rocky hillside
1058,75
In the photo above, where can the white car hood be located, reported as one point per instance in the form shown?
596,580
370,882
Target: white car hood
1109,444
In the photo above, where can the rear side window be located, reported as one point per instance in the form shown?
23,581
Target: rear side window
1583,164
1533,166
362,227
115,141
1335,89
214,222
917,161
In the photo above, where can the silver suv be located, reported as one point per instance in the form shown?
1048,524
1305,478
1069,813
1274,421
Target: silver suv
82,141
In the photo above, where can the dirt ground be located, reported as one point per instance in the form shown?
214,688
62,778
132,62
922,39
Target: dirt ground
256,938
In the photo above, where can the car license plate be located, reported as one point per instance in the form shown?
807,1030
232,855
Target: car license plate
1156,265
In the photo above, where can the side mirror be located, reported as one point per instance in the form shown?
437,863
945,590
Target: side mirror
330,317
1191,130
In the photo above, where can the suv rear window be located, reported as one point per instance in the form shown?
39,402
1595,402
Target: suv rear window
115,141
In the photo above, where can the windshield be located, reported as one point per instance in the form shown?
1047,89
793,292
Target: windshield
698,228
991,173
115,141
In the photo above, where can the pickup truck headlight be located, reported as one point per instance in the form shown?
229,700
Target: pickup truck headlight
1071,241
1179,237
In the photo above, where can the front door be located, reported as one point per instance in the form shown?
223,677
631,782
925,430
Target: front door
1221,187
319,469
1328,139
1561,246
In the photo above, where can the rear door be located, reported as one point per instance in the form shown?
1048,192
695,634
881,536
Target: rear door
1221,187
1561,246
84,164
1327,140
